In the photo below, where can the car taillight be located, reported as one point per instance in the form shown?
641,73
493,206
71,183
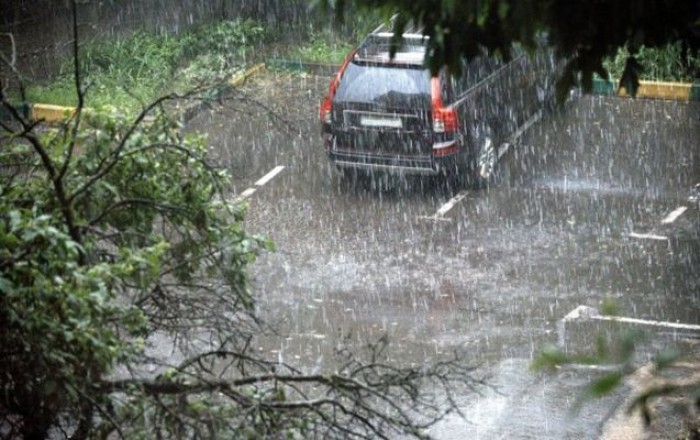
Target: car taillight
324,112
444,118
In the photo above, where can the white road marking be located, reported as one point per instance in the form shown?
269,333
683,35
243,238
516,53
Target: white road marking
671,217
269,176
648,236
663,324
260,183
247,193
503,149
444,209
434,218
529,123
584,313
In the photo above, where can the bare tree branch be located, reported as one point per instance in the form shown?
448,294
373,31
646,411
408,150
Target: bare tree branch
12,65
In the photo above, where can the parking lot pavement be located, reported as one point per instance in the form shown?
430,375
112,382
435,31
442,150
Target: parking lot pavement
575,219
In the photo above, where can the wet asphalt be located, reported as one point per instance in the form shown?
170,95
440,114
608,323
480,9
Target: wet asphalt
578,213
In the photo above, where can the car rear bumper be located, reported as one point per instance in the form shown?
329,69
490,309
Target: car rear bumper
443,157
419,166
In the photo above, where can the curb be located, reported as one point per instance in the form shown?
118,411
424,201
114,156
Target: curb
238,80
650,90
50,113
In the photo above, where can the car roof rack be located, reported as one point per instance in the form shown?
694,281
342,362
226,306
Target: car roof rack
376,47
412,30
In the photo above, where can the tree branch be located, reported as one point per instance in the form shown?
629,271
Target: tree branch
102,411
131,202
12,65
121,145
172,388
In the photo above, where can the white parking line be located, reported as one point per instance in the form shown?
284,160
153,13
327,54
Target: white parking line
585,313
671,217
269,176
582,314
259,183
529,123
503,149
247,193
444,209
648,236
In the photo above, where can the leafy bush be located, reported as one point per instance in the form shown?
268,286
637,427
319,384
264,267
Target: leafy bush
134,57
133,210
667,64
330,45
128,72
226,38
323,47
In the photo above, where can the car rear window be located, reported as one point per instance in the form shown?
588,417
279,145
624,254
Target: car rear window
390,86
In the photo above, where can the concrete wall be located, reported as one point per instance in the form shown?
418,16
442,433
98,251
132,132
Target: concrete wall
42,29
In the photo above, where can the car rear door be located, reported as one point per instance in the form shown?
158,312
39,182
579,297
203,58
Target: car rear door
383,110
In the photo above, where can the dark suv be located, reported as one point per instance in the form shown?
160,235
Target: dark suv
388,114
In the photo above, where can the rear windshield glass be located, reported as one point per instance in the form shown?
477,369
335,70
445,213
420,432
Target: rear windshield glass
385,85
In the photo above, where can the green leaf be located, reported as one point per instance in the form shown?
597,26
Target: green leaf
483,11
6,285
628,342
549,358
602,350
605,385
666,357
503,9
609,307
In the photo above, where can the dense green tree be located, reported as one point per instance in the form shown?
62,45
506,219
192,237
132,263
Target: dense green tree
583,32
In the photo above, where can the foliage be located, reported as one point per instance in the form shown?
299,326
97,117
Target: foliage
137,56
131,71
97,219
118,235
328,44
234,38
668,63
323,47
583,33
